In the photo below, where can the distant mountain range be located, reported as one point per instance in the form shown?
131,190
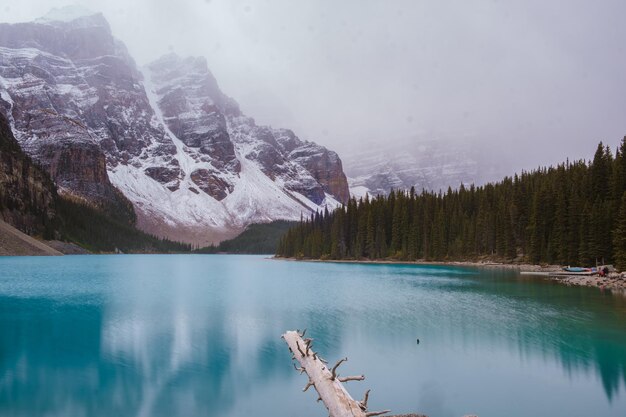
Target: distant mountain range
433,165
164,138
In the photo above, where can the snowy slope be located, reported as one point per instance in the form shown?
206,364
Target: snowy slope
255,198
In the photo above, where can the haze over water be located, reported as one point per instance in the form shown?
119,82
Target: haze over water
140,335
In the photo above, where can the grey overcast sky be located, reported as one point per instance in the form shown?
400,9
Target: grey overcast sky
538,80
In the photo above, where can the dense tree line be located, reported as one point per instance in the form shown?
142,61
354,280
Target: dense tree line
103,231
574,213
260,238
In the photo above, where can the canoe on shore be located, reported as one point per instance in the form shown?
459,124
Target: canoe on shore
578,269
558,273
567,273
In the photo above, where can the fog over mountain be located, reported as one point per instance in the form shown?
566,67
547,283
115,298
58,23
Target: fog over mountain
524,83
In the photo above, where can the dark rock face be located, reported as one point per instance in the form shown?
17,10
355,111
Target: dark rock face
166,175
27,194
78,167
325,166
287,140
71,84
267,154
211,183
195,109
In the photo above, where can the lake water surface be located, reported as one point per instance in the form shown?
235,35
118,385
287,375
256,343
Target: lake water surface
199,335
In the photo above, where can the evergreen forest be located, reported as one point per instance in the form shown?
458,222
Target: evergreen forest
571,214
260,238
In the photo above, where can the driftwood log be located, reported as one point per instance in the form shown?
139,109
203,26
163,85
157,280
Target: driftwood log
327,382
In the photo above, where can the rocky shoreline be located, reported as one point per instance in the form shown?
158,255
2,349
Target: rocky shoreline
616,282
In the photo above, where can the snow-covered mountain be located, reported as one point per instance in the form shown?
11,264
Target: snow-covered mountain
424,164
194,167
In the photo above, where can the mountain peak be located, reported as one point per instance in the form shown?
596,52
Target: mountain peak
189,63
72,14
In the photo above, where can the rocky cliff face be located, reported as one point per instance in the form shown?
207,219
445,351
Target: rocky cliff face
193,166
195,112
64,87
213,130
27,194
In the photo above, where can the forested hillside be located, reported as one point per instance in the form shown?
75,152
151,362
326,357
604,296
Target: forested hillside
259,238
573,213
99,231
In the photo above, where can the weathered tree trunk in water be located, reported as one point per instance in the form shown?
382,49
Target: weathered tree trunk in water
327,382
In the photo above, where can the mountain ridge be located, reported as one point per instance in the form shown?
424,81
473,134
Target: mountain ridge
163,137
431,165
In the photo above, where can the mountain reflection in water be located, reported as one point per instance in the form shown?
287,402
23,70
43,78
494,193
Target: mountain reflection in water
200,335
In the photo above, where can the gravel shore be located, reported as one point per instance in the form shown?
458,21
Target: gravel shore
614,282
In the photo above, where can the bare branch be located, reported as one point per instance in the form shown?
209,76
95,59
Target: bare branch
319,399
301,370
299,348
352,378
334,370
308,385
308,345
377,413
364,402
303,333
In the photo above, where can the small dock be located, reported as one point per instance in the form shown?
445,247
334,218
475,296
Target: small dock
542,273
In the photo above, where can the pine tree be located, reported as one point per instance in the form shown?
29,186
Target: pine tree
600,172
619,236
584,240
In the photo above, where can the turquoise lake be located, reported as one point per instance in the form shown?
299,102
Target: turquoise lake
199,335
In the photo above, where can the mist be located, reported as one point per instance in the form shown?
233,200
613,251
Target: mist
527,83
